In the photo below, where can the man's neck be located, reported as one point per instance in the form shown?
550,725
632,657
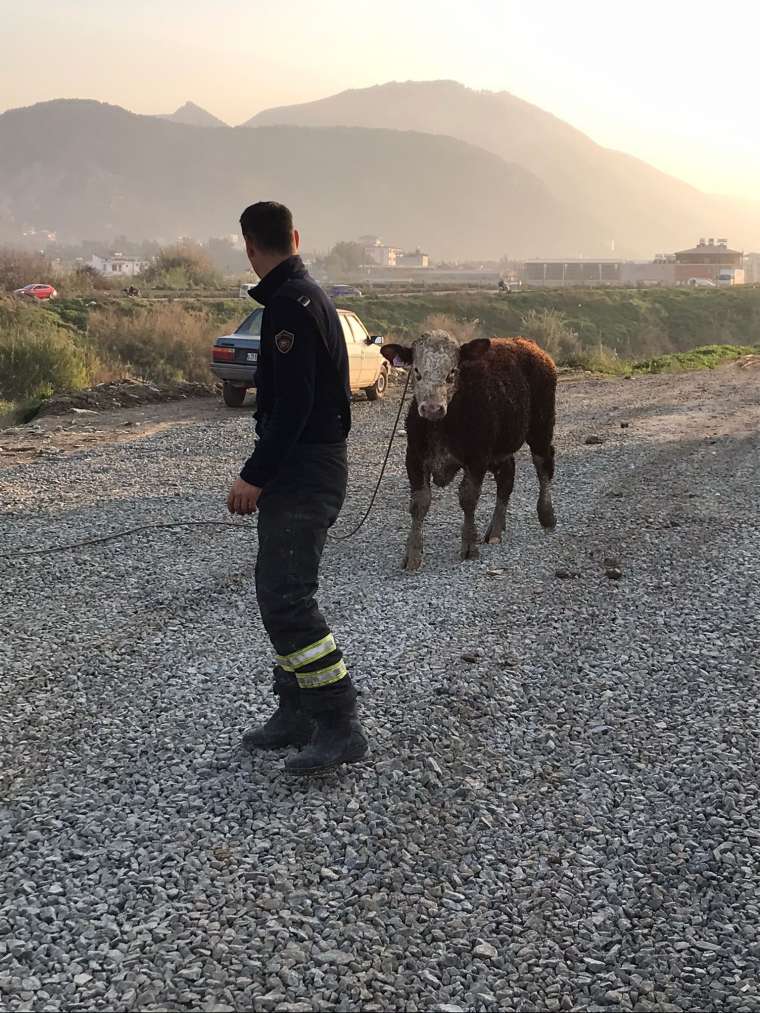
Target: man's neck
270,263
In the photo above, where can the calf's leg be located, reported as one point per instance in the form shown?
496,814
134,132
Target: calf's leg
419,480
504,474
469,494
543,461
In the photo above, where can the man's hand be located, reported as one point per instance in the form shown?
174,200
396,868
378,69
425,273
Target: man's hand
243,498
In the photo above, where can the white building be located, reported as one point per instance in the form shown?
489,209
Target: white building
118,265
376,252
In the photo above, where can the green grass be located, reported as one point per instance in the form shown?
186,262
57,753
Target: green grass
704,357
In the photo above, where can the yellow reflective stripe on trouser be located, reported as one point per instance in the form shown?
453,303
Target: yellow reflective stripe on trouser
326,676
307,655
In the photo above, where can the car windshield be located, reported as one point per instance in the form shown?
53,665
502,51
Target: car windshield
251,326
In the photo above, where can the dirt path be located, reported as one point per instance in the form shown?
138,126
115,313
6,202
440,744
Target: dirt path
57,434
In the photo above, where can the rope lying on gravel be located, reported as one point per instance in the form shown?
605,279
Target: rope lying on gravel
219,524
120,534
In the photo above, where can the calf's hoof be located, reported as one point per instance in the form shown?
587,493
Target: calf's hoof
411,563
469,552
547,518
492,537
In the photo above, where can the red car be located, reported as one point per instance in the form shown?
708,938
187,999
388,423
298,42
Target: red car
37,291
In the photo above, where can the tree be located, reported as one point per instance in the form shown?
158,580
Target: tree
226,257
345,259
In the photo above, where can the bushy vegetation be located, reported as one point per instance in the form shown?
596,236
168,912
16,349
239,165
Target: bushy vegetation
343,261
19,268
159,342
182,267
630,322
461,330
74,342
39,354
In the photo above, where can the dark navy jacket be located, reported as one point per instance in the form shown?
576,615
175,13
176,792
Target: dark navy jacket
303,393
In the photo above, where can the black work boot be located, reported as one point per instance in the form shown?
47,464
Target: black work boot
289,725
337,738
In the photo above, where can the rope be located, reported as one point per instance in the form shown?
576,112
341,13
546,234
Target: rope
219,524
119,534
344,538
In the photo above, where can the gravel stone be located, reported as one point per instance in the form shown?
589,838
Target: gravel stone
570,820
486,950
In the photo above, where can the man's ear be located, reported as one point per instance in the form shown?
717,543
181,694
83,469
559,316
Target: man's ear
474,349
397,355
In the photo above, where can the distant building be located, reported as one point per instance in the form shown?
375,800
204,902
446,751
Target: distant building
119,265
572,271
660,271
416,259
377,252
712,261
752,268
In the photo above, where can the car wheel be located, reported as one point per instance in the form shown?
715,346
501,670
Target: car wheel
233,394
376,391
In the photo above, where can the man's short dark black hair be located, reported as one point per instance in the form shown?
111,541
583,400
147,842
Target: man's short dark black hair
269,225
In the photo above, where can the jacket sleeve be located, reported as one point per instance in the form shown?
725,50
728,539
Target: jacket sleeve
294,384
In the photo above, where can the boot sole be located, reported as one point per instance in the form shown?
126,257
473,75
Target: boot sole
326,768
255,747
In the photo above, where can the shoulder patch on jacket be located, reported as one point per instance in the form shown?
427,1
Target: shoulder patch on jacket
304,300
284,341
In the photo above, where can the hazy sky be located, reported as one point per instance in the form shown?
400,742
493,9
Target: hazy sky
672,81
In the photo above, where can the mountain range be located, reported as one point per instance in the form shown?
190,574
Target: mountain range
461,173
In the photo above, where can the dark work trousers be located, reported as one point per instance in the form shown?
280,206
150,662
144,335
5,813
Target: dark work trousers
296,509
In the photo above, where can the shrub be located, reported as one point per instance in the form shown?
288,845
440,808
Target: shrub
38,355
84,280
461,330
159,342
181,267
551,330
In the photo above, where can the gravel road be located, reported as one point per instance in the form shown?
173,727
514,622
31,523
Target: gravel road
562,808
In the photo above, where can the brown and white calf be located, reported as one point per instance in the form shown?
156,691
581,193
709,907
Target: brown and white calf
474,406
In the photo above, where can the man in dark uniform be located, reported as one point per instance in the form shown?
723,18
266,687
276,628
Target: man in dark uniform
296,479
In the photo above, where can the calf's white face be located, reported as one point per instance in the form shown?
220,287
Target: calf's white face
434,361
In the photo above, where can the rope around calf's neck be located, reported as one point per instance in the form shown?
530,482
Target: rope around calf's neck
218,524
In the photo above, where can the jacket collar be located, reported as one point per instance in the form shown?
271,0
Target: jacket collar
293,267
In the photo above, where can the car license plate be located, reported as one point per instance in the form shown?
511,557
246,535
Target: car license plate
251,357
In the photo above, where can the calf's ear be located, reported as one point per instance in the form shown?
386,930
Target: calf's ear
474,349
398,355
